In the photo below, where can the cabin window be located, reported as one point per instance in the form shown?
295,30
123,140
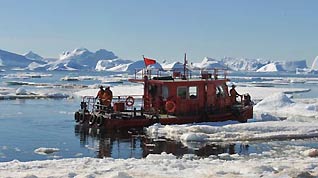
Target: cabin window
153,90
193,92
182,92
220,91
165,92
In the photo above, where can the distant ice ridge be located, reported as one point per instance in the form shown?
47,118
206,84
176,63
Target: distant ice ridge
243,64
103,65
209,63
104,60
284,66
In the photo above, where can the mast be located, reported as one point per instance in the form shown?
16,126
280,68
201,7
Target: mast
185,66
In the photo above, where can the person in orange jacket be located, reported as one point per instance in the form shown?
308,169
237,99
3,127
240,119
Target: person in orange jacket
100,96
107,97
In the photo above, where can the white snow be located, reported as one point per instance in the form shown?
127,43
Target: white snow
165,166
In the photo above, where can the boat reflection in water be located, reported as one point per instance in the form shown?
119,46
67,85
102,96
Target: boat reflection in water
135,144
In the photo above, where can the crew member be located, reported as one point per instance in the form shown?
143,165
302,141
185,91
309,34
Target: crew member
107,96
234,94
100,96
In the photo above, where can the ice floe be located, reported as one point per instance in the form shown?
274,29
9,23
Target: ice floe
23,93
24,75
45,151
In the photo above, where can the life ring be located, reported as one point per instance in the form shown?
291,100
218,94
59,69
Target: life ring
170,106
130,101
100,121
77,116
82,118
92,119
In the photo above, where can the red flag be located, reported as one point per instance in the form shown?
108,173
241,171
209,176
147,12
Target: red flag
149,61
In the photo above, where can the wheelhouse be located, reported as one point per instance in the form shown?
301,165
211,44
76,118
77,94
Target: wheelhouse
186,95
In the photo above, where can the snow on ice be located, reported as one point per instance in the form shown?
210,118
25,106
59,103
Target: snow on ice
165,166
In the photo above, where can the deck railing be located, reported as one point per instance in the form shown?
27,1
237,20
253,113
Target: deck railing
92,104
209,73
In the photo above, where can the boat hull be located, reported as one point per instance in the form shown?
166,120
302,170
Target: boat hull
121,121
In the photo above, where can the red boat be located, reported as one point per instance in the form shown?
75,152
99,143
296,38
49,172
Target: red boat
183,97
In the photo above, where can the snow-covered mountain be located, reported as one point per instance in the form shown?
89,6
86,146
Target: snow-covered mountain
11,60
103,60
81,58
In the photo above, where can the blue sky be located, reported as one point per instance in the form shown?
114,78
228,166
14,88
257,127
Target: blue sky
163,29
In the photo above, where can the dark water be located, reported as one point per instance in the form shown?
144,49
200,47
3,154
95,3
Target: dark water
29,124
134,143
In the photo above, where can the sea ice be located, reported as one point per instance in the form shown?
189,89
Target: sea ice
45,151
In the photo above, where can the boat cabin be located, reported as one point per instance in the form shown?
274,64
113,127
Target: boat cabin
186,95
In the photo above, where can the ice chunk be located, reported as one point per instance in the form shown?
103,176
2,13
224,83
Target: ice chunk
21,91
45,151
274,101
311,152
